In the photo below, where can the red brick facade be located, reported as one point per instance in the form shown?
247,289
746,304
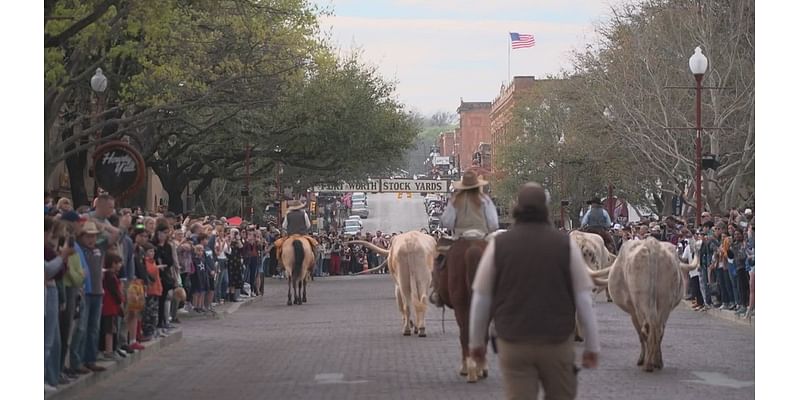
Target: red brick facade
473,129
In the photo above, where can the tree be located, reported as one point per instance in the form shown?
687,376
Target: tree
644,49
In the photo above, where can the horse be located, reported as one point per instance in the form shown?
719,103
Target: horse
298,262
453,285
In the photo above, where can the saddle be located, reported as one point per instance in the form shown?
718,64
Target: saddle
279,243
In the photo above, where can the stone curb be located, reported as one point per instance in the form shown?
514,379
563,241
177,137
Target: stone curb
222,311
727,315
112,367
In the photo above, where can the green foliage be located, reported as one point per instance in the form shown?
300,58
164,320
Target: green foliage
216,78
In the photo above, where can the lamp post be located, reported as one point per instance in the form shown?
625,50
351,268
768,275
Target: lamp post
278,173
698,64
99,83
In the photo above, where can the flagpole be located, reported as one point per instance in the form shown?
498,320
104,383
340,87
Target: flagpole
508,81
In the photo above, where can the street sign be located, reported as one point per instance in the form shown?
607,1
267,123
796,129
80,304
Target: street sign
414,186
390,186
118,168
441,160
371,186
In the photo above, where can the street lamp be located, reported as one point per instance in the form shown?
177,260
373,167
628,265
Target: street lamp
99,83
698,64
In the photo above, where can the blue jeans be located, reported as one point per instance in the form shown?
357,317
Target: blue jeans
705,291
734,283
79,335
318,267
222,279
94,303
52,338
725,288
252,269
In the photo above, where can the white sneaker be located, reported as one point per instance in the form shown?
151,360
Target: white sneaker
183,311
50,389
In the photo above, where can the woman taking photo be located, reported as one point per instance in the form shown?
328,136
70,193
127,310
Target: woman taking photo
164,256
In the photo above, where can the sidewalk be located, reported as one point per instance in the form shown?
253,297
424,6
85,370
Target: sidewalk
728,315
152,347
112,367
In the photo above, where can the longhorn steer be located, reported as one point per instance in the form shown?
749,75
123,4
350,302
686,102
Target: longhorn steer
594,252
410,259
647,281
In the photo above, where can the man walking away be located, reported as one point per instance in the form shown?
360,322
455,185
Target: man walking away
534,270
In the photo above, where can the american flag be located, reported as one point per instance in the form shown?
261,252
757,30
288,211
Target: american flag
521,40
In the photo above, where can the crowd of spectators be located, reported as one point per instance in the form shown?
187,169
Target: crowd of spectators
725,279
117,278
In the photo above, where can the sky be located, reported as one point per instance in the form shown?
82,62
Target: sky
441,51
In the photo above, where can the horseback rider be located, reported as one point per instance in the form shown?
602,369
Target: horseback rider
469,208
296,222
470,214
597,221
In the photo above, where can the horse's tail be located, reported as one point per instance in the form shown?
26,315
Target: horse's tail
297,268
472,258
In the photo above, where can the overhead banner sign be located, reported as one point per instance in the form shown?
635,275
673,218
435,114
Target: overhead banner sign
372,186
390,186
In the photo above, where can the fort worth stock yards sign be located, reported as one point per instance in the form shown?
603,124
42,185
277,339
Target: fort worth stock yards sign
389,186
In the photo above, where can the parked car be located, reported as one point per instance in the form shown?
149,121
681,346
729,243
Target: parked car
355,218
351,227
361,211
359,197
433,223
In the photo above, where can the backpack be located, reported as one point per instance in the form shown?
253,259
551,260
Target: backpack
135,296
74,276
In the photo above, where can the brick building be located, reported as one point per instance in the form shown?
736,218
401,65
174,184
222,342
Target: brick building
502,111
446,144
473,129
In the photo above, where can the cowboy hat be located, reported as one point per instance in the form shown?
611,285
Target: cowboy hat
594,200
469,180
292,205
89,228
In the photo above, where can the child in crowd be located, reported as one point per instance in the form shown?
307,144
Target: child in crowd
112,303
154,290
199,279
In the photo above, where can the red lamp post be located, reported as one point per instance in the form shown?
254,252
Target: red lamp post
698,64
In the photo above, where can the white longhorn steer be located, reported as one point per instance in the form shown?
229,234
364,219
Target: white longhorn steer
410,259
647,281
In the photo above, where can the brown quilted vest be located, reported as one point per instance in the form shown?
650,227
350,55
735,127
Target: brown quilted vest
533,299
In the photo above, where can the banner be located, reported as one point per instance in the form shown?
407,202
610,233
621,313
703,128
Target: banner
389,186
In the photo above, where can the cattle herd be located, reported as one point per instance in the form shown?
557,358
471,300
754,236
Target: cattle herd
646,280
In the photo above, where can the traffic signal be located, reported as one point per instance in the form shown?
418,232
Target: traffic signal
408,195
399,195
313,207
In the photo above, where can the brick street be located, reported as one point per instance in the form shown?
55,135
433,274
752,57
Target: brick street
346,343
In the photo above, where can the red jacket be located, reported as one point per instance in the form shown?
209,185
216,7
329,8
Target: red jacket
112,294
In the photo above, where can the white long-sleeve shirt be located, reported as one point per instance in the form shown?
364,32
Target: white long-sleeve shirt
448,219
483,288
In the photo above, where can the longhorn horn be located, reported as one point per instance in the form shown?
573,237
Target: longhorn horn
600,282
598,273
383,264
371,246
